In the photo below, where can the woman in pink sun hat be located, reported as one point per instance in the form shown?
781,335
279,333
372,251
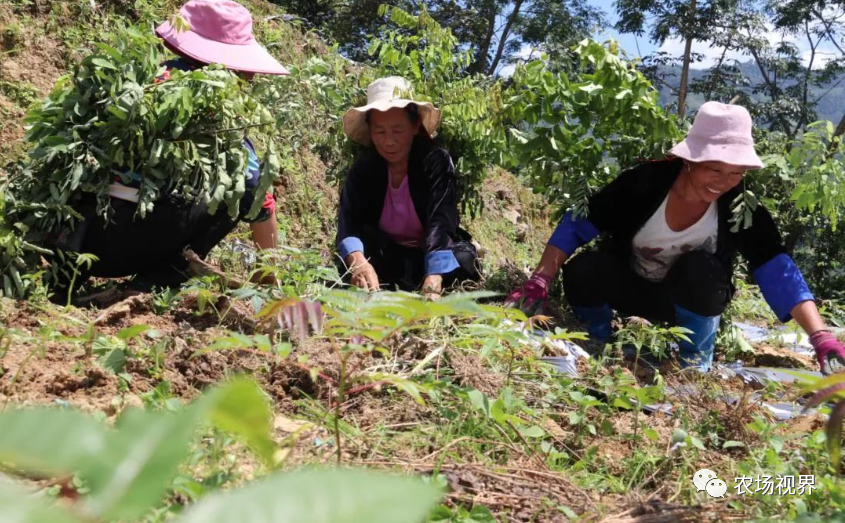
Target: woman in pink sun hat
220,32
668,246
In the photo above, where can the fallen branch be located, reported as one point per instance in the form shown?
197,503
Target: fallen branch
199,267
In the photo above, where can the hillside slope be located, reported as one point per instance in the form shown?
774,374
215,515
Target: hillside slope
507,436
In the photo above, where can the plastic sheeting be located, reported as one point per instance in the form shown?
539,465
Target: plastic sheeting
569,352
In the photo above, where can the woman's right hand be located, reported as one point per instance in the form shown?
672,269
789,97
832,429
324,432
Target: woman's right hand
363,274
532,296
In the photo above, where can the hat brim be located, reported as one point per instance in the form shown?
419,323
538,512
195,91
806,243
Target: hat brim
355,120
695,150
247,58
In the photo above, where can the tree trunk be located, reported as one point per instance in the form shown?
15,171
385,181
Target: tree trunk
503,38
682,91
837,137
483,53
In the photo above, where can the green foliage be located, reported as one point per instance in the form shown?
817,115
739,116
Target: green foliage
478,514
127,470
17,257
573,135
110,118
320,496
812,165
431,58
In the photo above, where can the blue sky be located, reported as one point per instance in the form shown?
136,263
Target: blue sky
636,47
628,42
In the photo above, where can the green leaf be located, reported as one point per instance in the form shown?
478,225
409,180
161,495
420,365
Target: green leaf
241,408
533,432
102,62
480,401
732,444
320,496
135,471
20,506
48,440
134,331
114,360
651,434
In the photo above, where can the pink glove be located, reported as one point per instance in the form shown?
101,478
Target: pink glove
829,351
531,297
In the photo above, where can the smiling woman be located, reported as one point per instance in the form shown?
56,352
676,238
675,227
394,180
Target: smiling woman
670,246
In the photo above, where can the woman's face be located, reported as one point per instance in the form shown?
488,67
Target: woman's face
710,180
393,133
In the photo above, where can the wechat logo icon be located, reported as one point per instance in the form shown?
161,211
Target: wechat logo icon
706,480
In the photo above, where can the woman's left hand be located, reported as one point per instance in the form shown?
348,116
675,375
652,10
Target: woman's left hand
431,286
830,352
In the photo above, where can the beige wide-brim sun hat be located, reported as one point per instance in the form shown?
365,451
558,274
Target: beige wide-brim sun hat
721,133
382,95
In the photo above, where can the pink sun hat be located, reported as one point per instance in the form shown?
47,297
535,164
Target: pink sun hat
220,32
721,133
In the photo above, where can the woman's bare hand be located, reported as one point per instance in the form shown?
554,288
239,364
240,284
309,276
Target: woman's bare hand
432,286
363,274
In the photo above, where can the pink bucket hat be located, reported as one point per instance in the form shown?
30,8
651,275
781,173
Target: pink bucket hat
220,32
722,133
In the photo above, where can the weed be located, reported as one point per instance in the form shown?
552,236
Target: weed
12,38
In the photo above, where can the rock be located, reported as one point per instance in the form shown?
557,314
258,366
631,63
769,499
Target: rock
512,215
521,230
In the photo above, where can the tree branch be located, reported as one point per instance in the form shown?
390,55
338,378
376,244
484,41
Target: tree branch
504,37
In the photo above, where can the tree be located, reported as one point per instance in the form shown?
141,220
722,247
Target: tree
494,31
689,20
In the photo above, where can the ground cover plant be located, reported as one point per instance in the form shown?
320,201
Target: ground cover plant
227,400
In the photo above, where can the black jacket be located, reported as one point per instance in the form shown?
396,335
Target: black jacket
624,206
431,181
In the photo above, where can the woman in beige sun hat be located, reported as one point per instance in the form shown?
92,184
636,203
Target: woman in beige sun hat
398,218
670,246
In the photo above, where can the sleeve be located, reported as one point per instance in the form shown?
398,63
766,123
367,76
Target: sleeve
573,232
253,174
780,280
349,214
441,213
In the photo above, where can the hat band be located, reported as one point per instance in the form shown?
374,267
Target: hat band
721,140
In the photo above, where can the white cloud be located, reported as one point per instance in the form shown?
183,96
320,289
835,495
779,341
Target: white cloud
711,54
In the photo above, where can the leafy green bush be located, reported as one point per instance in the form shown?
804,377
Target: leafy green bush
110,119
571,135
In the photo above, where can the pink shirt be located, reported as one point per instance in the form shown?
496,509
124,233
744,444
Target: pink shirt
399,218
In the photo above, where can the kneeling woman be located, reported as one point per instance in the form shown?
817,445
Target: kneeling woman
671,248
398,219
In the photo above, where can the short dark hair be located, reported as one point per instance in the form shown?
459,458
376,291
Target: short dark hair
412,110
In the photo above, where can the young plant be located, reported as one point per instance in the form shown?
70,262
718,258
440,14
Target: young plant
127,470
357,324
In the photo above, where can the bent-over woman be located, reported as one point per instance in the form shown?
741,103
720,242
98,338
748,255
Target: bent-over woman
151,249
669,249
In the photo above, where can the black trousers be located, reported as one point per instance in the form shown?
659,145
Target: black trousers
698,282
403,268
149,248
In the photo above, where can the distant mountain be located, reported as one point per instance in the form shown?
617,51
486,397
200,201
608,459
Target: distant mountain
831,106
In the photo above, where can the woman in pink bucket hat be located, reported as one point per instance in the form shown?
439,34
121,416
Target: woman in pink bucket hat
219,31
668,246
